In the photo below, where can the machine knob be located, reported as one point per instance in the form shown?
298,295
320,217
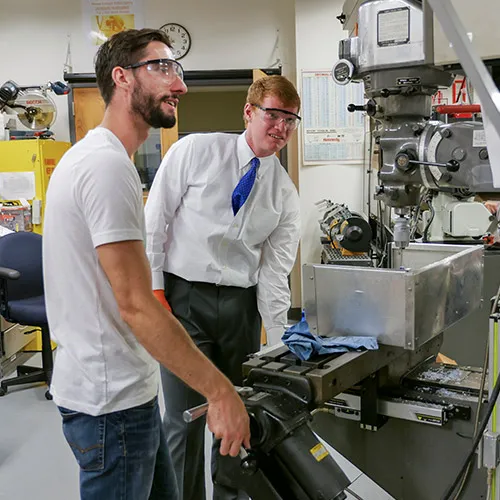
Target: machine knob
249,465
483,154
452,166
353,233
404,160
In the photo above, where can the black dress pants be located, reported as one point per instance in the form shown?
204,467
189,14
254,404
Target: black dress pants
225,324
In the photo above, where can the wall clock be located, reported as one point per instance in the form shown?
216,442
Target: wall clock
179,38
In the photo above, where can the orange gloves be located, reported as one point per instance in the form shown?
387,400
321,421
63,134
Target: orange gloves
160,296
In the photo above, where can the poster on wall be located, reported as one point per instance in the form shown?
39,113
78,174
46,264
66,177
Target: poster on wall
329,132
103,18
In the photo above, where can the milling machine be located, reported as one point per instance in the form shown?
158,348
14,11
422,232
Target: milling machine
426,415
419,159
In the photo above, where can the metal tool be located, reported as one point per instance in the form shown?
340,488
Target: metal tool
198,411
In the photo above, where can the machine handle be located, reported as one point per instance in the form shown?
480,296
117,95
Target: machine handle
448,109
451,166
353,107
198,411
194,413
370,107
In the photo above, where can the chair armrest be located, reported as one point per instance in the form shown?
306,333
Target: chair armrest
7,273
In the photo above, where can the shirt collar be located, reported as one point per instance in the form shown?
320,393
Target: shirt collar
245,154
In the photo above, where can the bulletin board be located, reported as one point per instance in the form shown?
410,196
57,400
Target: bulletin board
329,132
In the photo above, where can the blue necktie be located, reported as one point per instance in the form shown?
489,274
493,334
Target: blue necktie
242,190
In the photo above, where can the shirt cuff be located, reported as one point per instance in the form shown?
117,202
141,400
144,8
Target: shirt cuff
157,279
274,334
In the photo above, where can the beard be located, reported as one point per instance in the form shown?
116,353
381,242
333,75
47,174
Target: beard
150,110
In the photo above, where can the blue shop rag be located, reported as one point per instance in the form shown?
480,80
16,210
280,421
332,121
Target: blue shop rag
305,344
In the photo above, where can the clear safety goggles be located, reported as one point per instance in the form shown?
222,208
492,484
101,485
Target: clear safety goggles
275,116
170,68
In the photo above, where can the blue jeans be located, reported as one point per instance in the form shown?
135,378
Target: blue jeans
122,455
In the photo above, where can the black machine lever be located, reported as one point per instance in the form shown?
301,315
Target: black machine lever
354,107
370,107
451,166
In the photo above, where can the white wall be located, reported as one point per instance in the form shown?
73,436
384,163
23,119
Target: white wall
317,35
229,34
33,44
226,34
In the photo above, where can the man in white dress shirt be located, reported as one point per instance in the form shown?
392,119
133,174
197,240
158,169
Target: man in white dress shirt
222,223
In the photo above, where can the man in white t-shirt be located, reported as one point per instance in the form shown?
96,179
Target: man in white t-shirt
110,329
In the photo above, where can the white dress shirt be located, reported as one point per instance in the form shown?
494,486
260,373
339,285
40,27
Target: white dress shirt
192,232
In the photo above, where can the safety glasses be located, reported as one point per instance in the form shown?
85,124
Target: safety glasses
170,68
276,115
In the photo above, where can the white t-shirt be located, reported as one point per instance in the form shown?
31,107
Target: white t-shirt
94,197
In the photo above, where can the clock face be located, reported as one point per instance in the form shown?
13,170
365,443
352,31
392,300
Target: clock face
179,38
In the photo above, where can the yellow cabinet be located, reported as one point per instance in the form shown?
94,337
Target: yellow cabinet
34,160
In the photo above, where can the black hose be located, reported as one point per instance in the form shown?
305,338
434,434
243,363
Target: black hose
466,474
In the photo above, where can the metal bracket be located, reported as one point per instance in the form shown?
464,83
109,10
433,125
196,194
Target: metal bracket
349,406
491,449
458,412
371,419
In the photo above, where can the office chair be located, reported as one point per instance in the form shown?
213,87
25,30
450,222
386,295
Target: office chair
22,300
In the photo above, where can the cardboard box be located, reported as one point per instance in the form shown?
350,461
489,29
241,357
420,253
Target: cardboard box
15,216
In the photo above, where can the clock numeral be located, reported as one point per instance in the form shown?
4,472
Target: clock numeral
172,28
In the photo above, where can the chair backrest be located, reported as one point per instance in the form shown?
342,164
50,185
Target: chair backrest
23,252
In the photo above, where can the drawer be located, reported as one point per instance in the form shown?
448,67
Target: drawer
14,338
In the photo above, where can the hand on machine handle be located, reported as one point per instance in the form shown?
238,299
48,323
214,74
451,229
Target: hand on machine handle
227,419
160,295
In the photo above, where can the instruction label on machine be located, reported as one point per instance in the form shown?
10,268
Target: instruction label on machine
430,419
319,452
393,27
479,139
